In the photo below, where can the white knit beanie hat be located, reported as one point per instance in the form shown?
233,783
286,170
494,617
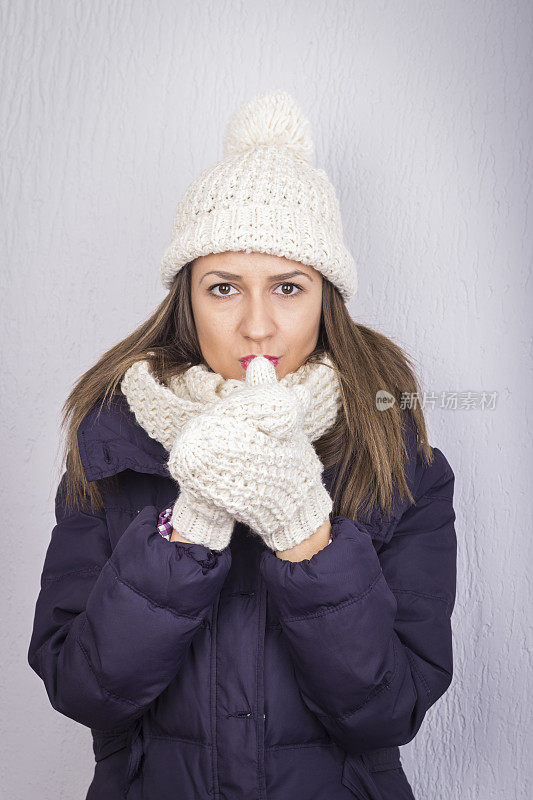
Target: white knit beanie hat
265,196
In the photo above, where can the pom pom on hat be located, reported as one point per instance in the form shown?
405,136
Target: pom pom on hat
270,118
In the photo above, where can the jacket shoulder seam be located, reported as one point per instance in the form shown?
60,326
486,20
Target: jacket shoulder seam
84,570
420,594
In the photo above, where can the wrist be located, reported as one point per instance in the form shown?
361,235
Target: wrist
307,549
176,537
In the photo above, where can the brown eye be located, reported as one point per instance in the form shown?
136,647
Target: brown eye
223,293
290,286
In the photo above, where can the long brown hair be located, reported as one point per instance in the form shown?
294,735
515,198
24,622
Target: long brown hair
366,443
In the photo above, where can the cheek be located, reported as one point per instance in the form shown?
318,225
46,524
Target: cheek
205,314
302,321
213,328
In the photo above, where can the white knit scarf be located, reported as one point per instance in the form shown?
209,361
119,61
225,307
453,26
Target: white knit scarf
163,410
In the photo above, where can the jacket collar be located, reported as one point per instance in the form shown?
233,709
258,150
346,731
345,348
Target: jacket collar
113,440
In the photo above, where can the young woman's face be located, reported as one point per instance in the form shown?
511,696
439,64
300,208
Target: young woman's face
255,303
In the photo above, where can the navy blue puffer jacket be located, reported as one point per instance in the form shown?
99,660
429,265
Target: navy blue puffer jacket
238,675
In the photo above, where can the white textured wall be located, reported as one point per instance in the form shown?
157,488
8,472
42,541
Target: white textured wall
422,118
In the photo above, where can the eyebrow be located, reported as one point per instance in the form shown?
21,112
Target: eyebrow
284,276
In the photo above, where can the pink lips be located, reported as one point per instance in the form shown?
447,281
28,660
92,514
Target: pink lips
246,360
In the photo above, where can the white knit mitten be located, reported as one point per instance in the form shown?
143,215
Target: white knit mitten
249,456
199,521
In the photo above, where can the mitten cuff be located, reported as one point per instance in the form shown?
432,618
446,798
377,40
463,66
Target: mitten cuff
201,522
310,514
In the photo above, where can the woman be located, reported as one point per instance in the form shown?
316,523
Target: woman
249,587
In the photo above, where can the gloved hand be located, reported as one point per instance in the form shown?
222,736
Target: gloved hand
199,521
194,516
250,457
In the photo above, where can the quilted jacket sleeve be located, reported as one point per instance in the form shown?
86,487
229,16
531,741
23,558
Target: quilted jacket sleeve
370,636
112,628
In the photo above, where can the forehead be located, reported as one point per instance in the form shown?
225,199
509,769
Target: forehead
244,265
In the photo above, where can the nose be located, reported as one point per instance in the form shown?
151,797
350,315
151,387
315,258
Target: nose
257,323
